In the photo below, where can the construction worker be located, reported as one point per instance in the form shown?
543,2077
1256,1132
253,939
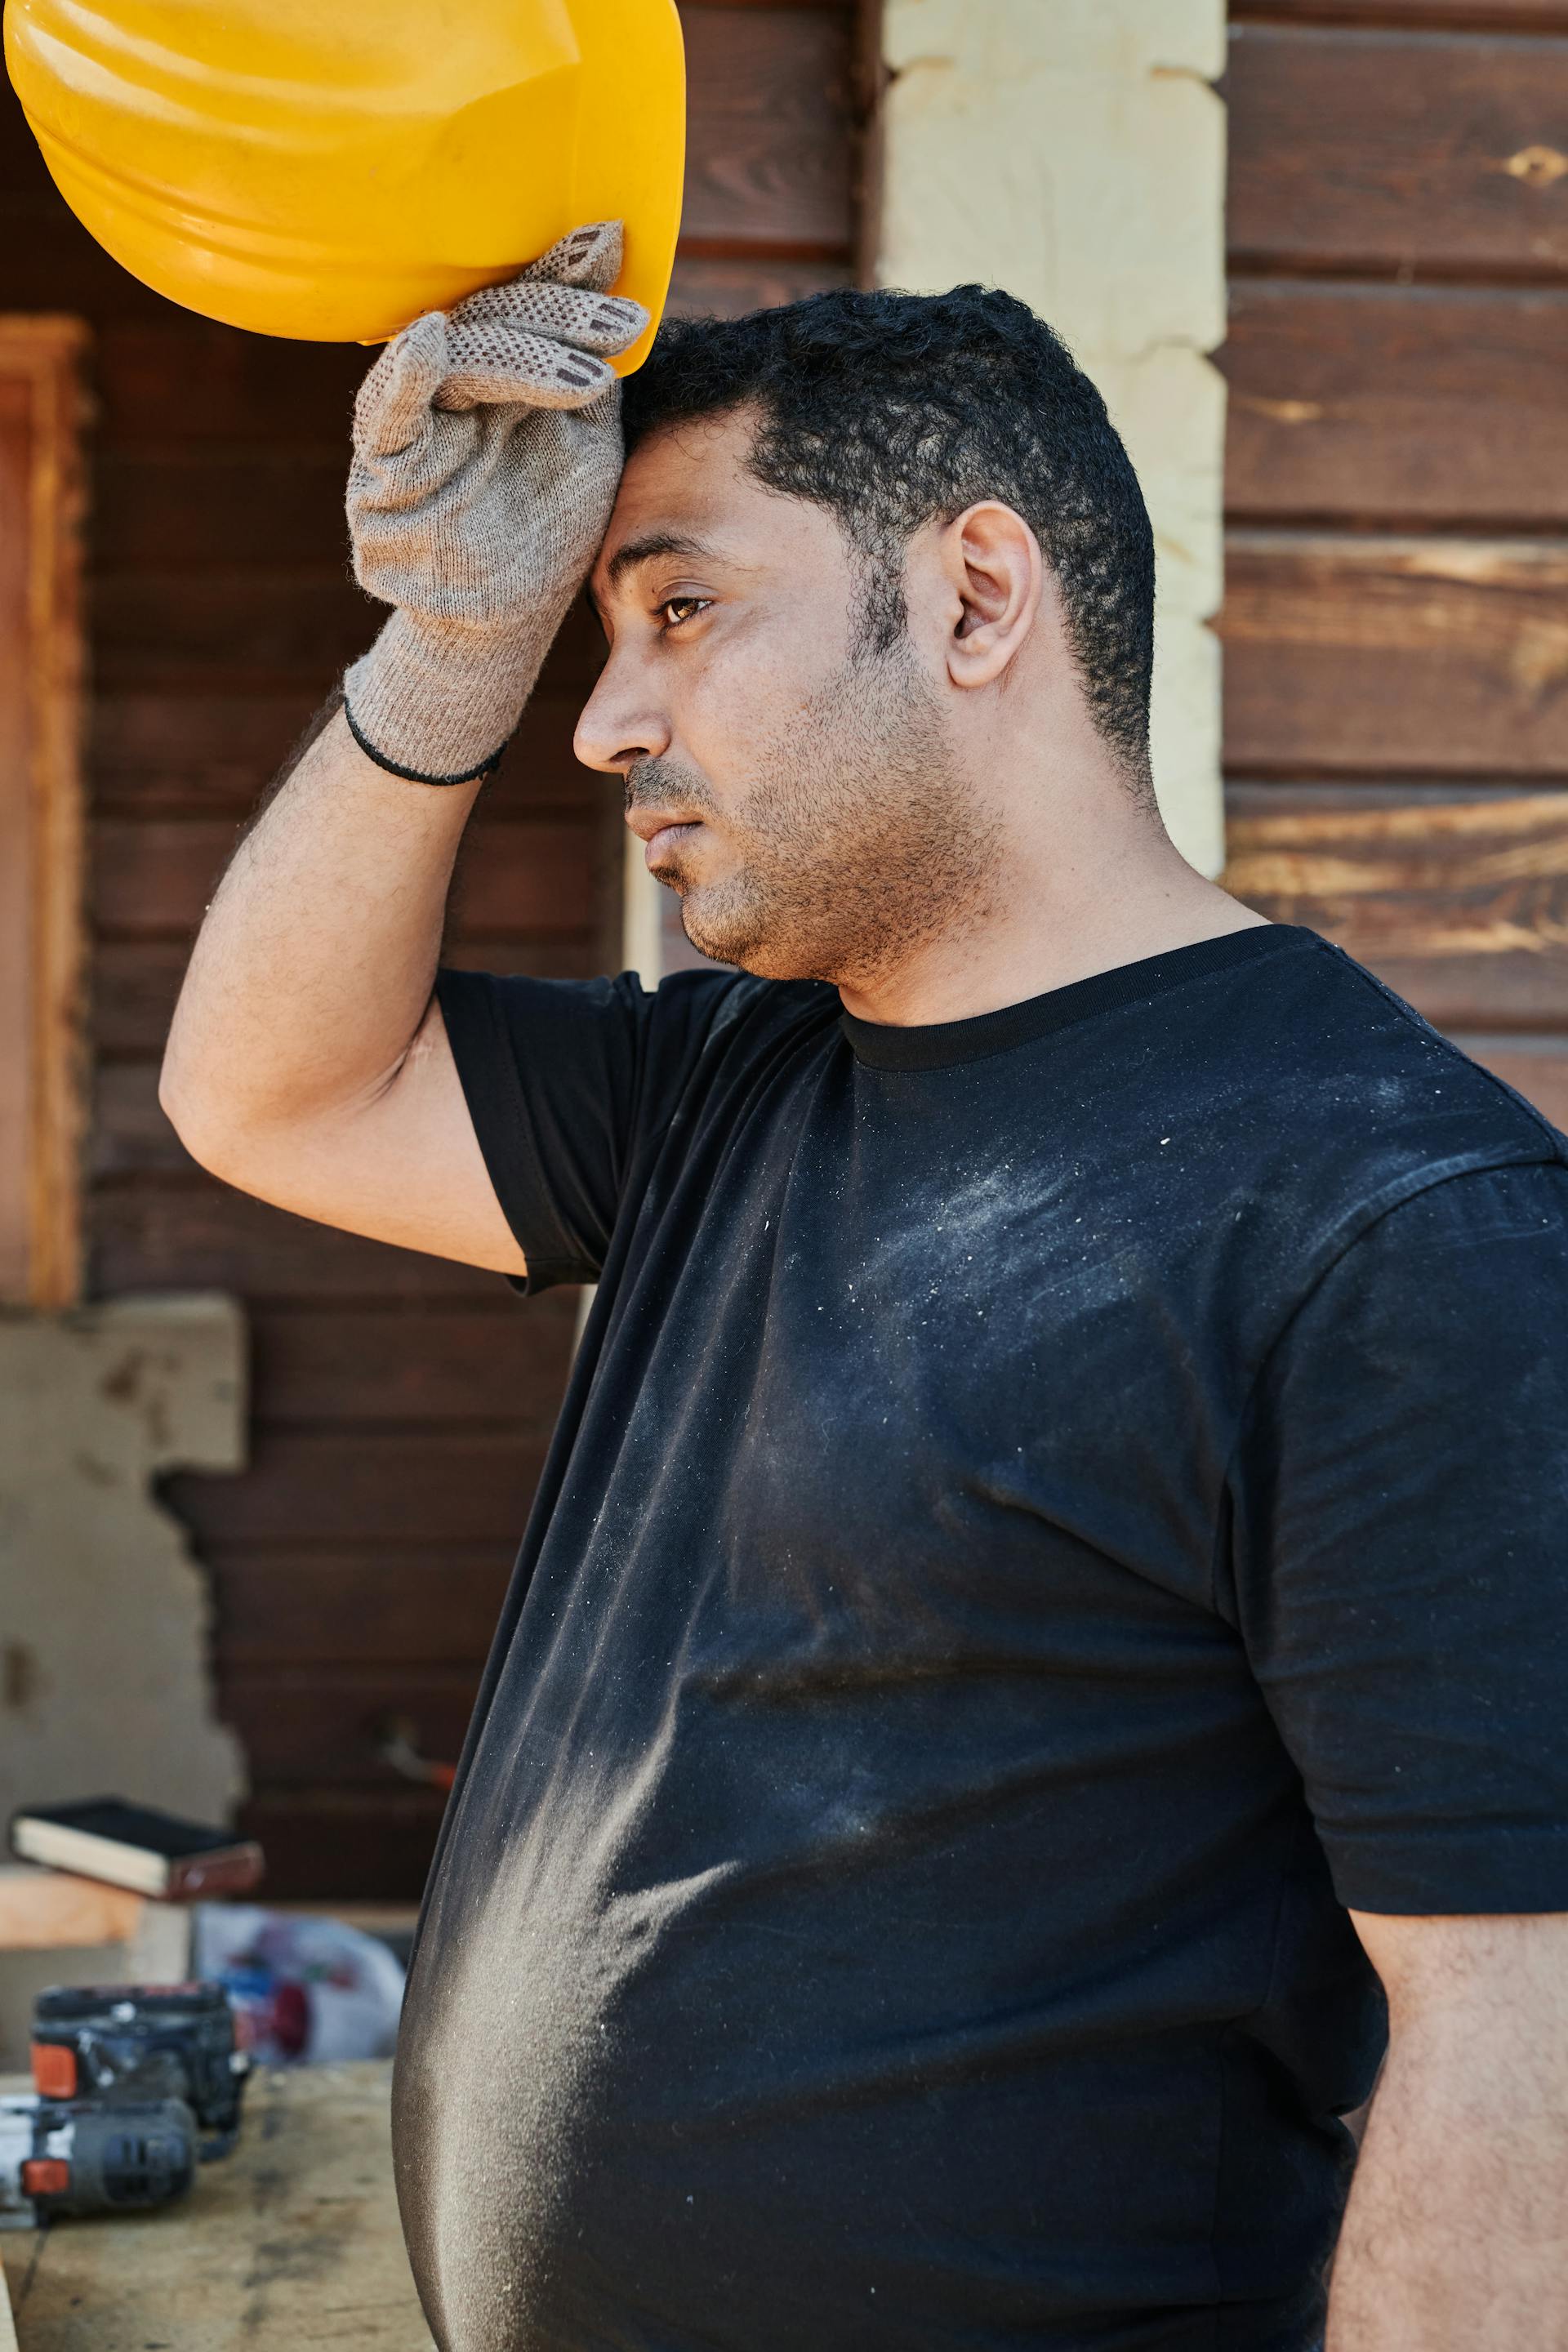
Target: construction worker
1047,1615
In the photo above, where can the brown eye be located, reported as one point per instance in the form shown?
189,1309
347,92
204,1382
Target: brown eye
677,609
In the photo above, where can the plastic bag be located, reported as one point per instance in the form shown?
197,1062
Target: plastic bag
306,1991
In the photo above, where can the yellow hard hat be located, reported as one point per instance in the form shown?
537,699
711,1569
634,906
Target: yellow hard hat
328,169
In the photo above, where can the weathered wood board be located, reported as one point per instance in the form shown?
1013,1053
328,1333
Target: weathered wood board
1441,405
202,1237
1495,16
1381,149
1458,898
1413,655
291,2242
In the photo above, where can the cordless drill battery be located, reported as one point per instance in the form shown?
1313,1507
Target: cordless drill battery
110,2044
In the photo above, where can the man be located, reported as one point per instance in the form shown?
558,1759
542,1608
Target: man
1048,1599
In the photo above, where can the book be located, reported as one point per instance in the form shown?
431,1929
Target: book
138,1847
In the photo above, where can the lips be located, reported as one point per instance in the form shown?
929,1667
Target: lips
645,823
659,829
660,843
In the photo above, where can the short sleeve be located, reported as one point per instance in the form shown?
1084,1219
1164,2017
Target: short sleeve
561,1076
1400,1550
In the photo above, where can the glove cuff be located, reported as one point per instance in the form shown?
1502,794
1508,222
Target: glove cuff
416,775
435,701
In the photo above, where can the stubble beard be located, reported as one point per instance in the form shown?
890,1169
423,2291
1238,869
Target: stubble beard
857,845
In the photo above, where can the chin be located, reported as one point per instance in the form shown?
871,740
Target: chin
732,934
719,930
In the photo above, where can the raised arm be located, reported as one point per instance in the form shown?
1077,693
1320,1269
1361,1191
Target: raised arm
308,1063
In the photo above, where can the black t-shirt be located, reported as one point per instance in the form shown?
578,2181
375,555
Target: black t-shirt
1049,1509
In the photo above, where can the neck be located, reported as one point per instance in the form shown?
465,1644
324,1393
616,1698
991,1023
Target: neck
1101,886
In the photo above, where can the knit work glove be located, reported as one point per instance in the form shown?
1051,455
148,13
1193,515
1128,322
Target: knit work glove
487,452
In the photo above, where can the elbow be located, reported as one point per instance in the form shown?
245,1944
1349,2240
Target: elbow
247,1137
196,1114
181,1106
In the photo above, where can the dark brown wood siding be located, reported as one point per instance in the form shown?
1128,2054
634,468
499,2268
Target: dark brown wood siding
400,1406
1395,622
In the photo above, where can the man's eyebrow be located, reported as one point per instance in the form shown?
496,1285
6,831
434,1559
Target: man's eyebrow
645,550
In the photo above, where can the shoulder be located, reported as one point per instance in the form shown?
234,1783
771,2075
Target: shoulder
1363,1096
1309,1103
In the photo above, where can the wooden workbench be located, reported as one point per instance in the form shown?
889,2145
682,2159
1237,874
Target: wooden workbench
290,2241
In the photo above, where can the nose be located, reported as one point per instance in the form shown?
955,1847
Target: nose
621,720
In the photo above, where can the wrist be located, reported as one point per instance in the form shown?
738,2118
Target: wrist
435,702
373,751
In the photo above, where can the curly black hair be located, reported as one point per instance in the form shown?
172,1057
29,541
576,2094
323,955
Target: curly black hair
896,410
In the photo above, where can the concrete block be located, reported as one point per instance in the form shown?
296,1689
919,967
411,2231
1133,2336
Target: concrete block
104,1681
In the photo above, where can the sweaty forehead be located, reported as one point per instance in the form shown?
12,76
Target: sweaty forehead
689,490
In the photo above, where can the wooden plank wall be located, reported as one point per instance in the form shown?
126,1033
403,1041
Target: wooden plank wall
1396,614
402,1406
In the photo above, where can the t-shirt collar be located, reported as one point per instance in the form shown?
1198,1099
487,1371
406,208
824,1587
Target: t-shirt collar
941,1044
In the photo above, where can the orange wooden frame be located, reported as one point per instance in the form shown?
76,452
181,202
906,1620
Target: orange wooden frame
42,1050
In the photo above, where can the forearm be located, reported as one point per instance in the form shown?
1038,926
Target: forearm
314,965
307,1063
1455,2237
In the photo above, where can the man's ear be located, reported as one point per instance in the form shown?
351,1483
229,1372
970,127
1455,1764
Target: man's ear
995,575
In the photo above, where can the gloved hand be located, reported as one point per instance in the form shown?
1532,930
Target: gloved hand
487,454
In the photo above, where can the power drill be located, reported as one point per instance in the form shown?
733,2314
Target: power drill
107,2044
60,2156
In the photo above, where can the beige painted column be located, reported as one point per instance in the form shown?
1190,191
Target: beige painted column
1073,151
642,917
